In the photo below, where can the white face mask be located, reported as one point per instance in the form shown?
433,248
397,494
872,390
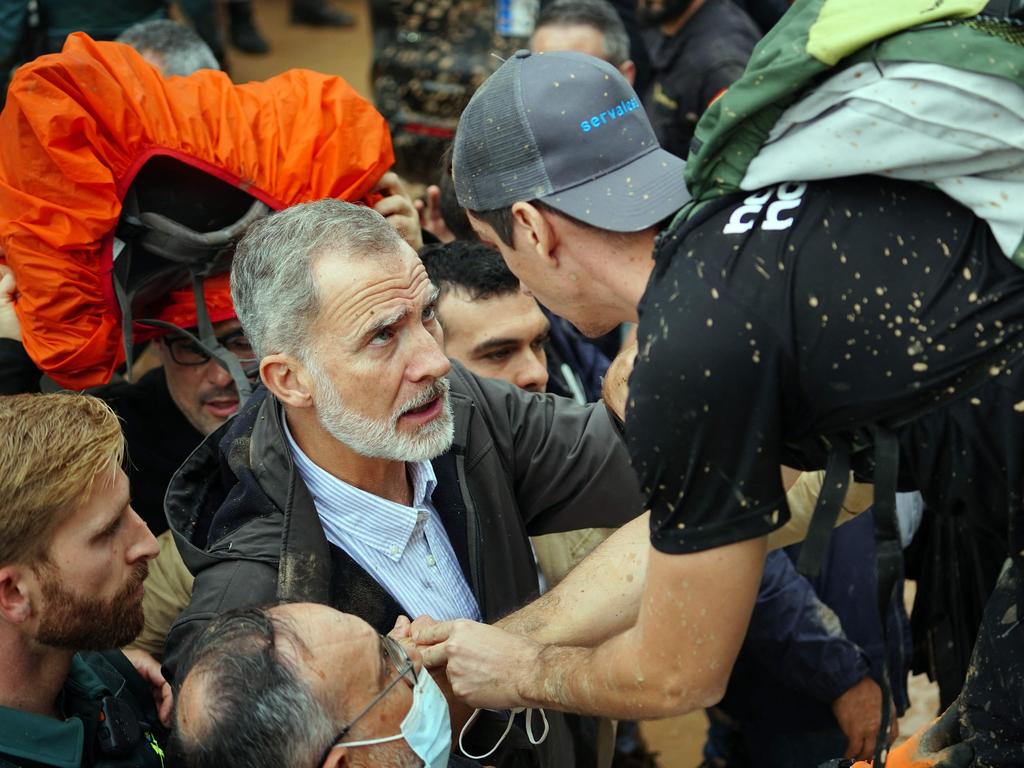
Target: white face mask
511,717
426,728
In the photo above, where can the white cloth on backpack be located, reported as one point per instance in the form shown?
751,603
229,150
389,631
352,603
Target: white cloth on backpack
961,131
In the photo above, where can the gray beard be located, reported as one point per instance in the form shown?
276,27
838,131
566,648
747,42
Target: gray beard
380,438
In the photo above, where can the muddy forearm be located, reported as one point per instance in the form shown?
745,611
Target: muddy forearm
598,599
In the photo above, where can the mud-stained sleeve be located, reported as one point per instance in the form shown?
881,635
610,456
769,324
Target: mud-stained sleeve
703,423
567,463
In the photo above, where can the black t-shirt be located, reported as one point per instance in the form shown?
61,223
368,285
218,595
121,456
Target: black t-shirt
804,310
690,68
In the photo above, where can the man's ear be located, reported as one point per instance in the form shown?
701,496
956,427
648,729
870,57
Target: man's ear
336,758
532,229
288,381
15,604
628,70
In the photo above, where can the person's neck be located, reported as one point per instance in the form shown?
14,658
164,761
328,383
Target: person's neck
381,477
670,28
625,272
33,674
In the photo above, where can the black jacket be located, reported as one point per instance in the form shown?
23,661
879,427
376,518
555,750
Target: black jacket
521,465
690,68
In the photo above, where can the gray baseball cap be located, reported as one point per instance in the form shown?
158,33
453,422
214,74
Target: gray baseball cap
566,129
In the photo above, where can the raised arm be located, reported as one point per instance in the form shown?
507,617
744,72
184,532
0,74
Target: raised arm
676,657
599,598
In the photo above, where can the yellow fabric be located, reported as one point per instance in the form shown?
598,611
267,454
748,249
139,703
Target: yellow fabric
168,590
801,499
559,553
845,26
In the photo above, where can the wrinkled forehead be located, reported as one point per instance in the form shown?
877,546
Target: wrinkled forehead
355,290
323,641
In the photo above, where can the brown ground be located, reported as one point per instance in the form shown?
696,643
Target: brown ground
346,52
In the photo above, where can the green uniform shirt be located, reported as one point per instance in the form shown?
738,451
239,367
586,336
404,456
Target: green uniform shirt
32,740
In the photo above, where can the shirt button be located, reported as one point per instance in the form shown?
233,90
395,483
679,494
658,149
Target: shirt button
394,549
431,561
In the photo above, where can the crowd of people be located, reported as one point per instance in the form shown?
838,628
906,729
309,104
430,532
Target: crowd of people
702,336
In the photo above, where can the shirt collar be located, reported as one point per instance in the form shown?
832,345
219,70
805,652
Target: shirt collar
393,523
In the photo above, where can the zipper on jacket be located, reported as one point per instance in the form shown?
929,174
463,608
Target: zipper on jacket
474,537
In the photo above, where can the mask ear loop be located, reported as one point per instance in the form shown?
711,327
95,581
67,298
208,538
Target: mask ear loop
529,724
508,728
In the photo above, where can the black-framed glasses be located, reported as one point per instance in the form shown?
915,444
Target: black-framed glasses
393,650
184,351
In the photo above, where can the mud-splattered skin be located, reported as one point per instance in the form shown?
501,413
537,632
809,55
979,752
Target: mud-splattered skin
779,316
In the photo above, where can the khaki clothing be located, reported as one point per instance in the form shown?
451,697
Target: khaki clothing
168,590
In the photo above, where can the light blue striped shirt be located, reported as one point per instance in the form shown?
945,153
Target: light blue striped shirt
406,549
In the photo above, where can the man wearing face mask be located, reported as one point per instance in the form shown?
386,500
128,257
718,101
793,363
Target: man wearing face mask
303,685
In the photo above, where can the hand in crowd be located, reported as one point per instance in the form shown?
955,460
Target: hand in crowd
10,327
859,714
458,711
149,669
430,215
402,629
482,662
936,745
615,388
398,209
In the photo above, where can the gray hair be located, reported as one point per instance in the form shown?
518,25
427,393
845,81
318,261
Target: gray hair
598,14
272,283
256,709
181,50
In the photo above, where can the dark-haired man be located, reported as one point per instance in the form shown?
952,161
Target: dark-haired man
490,326
795,646
588,26
765,338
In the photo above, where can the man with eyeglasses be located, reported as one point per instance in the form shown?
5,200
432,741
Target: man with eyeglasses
165,414
168,411
303,685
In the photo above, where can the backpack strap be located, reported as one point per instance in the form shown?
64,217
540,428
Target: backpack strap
826,510
888,562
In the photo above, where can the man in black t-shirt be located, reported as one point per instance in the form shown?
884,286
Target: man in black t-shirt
786,317
772,325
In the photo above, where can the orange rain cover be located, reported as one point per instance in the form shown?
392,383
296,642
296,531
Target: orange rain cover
78,126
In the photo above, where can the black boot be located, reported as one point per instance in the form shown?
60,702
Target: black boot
319,13
242,28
